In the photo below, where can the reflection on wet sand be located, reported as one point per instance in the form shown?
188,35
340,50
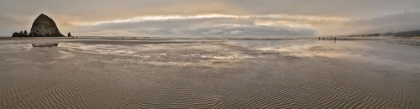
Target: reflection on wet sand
316,50
302,73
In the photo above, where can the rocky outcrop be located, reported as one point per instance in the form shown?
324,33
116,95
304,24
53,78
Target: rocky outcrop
16,34
69,35
44,26
20,34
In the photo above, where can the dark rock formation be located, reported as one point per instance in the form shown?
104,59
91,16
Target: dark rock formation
16,34
69,35
44,26
20,34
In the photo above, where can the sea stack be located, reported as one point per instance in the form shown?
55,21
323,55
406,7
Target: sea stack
44,26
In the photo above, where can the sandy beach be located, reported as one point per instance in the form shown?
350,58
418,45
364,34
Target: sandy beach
91,73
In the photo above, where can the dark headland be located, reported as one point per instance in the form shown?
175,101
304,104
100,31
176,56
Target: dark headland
43,26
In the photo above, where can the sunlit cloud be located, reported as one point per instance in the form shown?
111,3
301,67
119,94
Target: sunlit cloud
214,16
282,23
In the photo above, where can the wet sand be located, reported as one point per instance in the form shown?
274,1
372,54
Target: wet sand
304,73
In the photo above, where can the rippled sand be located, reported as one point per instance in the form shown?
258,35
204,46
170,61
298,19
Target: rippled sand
305,73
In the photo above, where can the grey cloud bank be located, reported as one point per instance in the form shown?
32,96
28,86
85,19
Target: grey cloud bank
297,17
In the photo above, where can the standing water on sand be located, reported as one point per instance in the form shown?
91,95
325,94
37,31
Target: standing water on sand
302,73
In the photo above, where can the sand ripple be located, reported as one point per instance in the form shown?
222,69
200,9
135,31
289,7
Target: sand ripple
205,75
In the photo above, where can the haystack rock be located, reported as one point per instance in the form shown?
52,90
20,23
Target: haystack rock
44,26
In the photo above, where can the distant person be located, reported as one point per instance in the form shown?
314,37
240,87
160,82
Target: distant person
335,39
319,38
322,38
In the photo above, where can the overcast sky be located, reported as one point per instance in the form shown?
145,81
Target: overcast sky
218,18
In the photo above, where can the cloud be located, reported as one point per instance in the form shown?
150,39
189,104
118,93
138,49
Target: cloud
404,21
252,30
228,31
344,8
207,25
212,16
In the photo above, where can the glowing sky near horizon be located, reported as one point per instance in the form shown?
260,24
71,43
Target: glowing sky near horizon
212,16
218,18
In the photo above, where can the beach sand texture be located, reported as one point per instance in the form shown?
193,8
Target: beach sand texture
304,73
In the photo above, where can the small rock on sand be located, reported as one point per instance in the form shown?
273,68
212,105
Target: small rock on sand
45,45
